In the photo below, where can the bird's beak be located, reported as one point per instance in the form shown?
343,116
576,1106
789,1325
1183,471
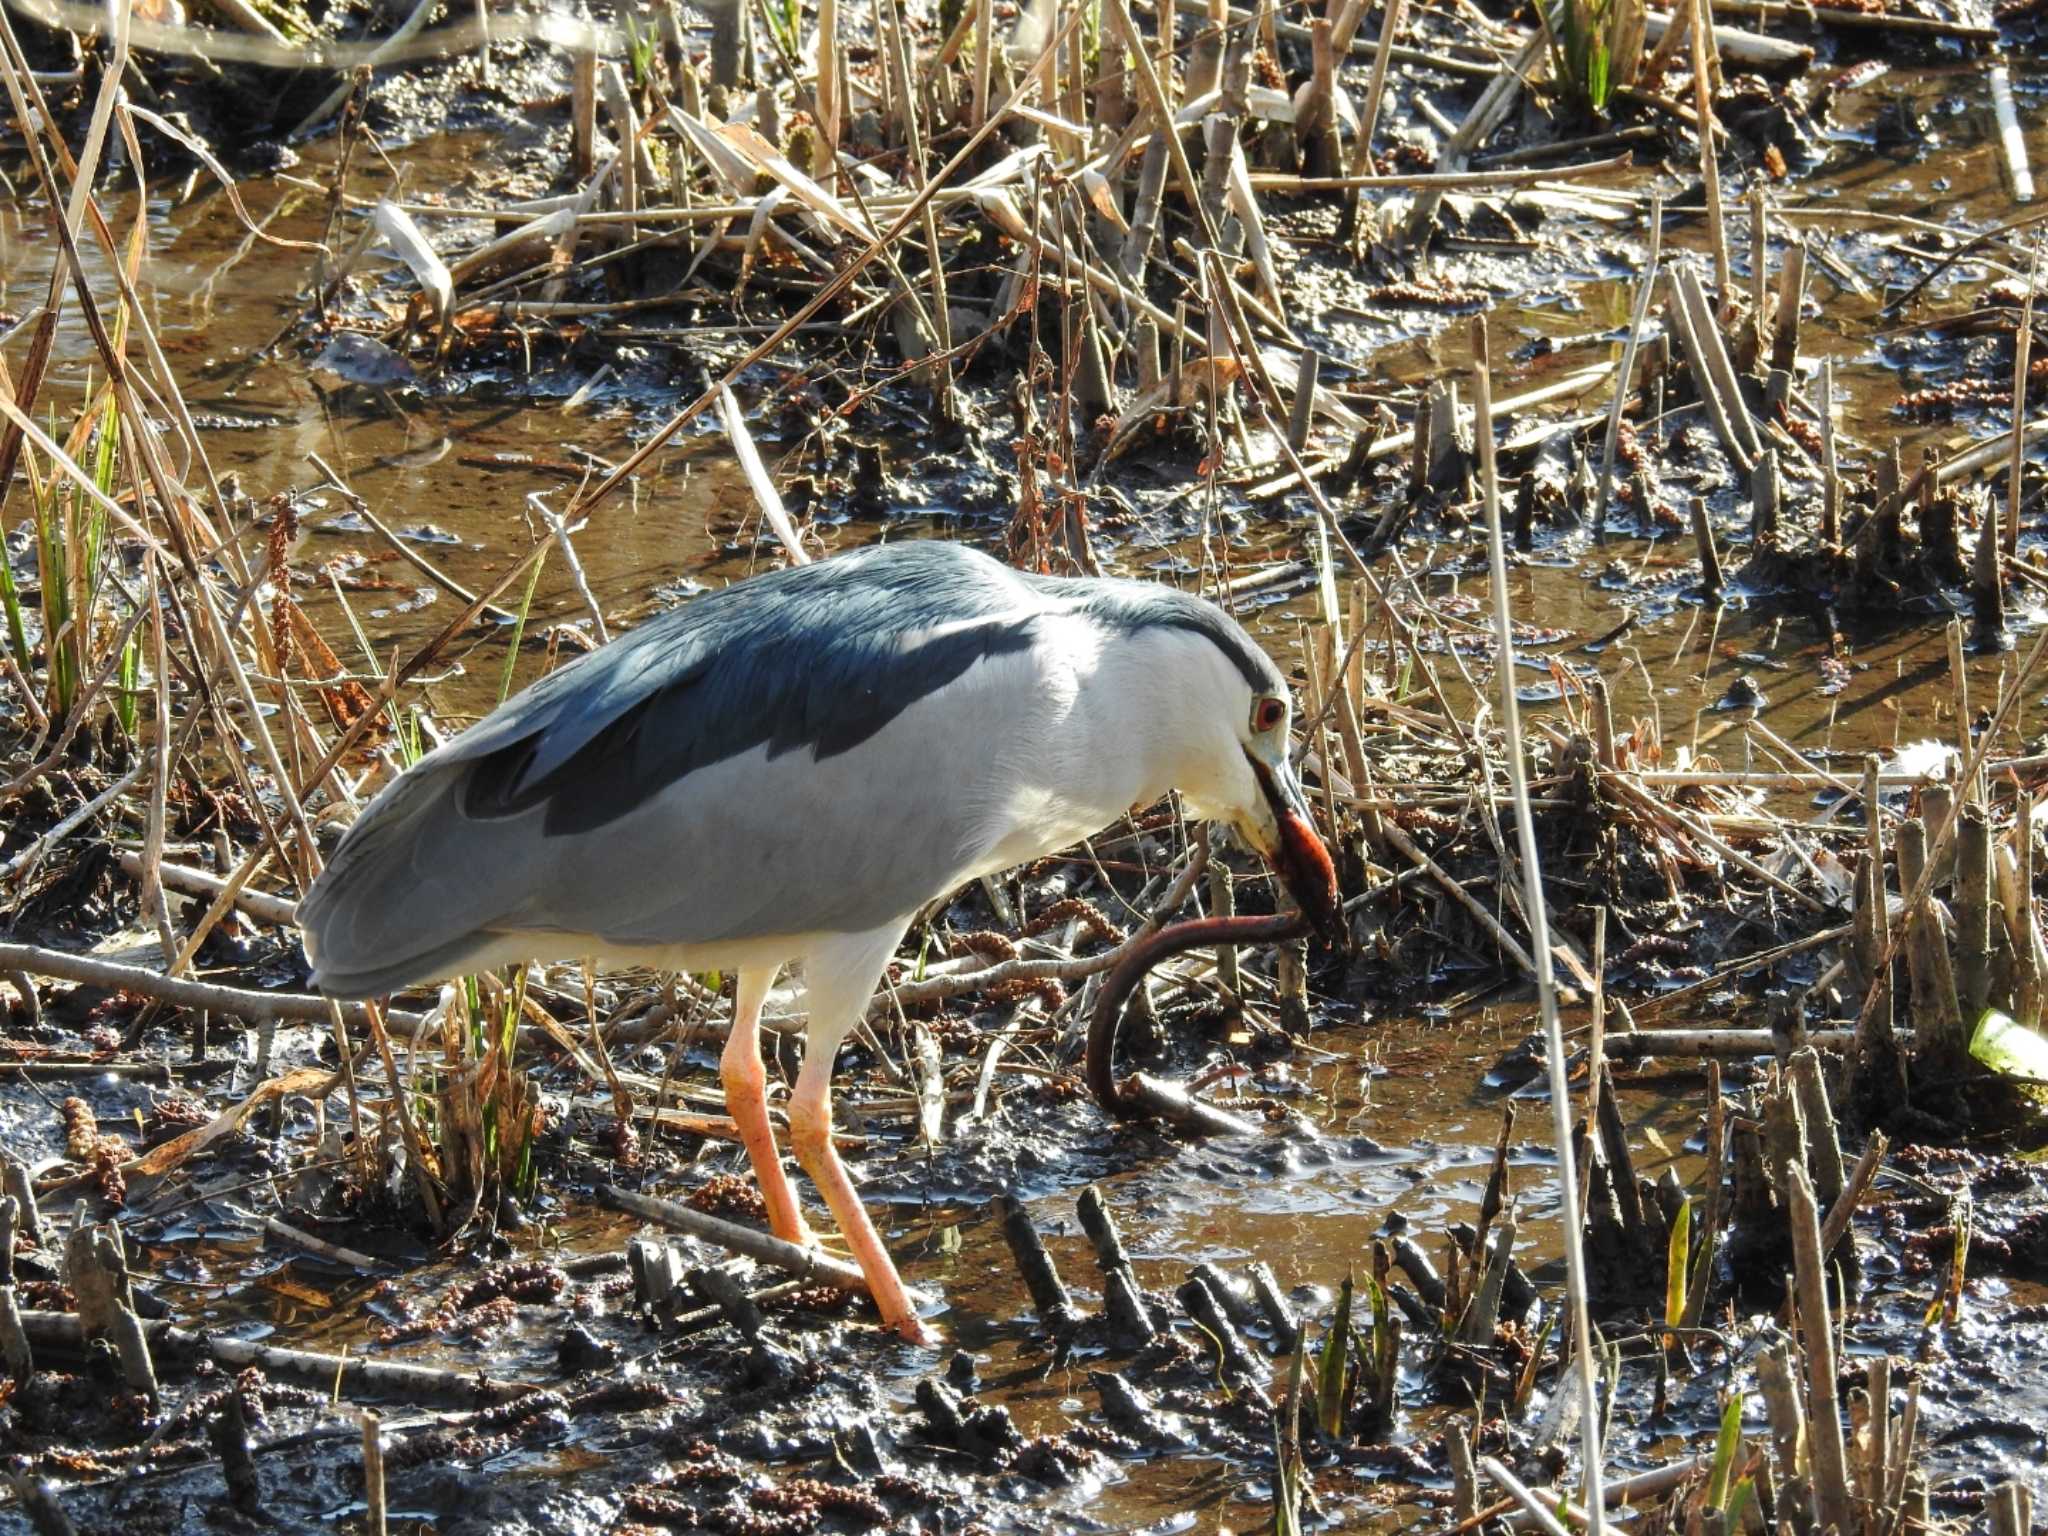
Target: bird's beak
1287,840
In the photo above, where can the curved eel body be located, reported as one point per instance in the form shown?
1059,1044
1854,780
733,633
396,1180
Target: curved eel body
1174,939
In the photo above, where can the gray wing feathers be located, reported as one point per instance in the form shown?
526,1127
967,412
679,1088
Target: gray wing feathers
650,794
411,891
748,847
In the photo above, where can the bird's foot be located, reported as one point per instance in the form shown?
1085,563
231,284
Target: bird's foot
913,1329
903,1314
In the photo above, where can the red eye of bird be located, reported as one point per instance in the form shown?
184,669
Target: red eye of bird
1266,714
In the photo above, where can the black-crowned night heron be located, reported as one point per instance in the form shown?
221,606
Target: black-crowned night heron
788,770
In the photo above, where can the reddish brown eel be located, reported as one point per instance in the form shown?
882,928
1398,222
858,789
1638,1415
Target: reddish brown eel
1174,939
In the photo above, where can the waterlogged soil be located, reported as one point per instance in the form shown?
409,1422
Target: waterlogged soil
1379,1122
1375,1132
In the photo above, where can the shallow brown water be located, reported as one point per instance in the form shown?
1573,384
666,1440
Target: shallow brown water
460,465
1410,1088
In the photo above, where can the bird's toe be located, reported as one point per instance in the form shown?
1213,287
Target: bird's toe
913,1329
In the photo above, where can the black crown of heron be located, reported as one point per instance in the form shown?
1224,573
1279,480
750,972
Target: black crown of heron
785,772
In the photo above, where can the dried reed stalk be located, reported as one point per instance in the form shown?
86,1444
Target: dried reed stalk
1593,1455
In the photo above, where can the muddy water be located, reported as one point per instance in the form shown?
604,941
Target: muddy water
456,463
1407,1133
1408,1128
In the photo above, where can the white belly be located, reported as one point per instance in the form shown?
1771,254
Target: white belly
764,953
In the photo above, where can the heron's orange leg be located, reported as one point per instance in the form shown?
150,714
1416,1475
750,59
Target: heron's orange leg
810,1135
746,1096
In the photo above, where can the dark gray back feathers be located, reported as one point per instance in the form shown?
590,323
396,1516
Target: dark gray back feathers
820,656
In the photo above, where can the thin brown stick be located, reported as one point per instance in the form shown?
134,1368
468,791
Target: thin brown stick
1436,181
808,1263
239,1002
347,1375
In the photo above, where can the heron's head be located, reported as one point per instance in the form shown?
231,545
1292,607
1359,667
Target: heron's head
1242,776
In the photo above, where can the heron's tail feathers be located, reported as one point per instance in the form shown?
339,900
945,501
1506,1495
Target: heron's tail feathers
412,892
459,957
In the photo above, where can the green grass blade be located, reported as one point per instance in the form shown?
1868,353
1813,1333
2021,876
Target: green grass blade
515,1006
1286,1451
519,628
130,684
54,578
1330,1367
1738,1506
1726,1444
1676,1264
10,603
408,737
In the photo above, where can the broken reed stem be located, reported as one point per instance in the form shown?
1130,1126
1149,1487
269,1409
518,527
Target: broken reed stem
154,901
1049,1297
1710,167
1759,267
1539,945
1361,149
1823,1413
806,1263
984,53
1699,333
1710,559
15,1351
2012,138
1644,290
1596,1032
1643,1044
345,1375
1464,1476
1786,317
1843,1210
1375,94
828,90
1538,1513
373,1476
284,1231
2012,1510
1830,470
1629,1490
241,1002
1973,910
2022,348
